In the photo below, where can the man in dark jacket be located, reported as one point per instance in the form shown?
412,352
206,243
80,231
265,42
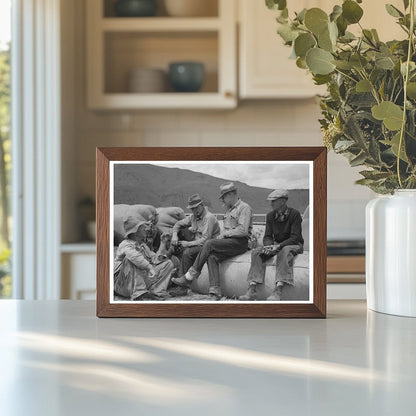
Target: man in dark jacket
282,238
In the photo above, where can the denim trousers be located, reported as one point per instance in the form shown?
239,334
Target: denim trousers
284,264
213,252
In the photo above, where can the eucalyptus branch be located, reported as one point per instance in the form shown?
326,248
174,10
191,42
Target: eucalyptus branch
406,79
373,88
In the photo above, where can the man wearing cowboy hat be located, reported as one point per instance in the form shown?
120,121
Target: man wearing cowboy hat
282,237
233,240
139,273
195,229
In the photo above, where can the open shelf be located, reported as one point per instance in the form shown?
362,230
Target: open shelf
211,9
126,51
116,46
160,24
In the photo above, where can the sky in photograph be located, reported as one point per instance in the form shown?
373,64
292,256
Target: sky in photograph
272,176
4,22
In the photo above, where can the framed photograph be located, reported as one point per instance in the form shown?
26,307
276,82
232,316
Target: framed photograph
211,232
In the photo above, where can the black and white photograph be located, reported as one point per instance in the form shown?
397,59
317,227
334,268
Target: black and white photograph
213,231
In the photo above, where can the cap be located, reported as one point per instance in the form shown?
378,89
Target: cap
278,193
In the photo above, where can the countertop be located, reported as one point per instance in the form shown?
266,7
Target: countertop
57,358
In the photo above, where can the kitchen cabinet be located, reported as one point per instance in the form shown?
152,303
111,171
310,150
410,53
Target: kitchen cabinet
265,70
118,45
78,264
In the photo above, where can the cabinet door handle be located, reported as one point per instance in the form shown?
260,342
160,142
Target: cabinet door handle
229,94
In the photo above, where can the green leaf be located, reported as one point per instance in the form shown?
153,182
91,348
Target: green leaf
384,62
303,43
344,65
358,61
393,11
351,11
363,86
411,90
301,63
343,145
394,143
325,42
374,175
287,33
336,12
391,114
375,35
321,79
276,4
358,160
319,61
347,37
301,15
406,4
316,20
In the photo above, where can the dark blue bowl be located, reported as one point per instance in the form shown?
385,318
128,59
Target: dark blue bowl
135,8
186,76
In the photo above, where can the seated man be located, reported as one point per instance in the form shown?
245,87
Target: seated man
233,240
195,229
139,273
282,237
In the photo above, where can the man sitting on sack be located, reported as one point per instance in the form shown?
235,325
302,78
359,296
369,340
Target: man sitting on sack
191,233
233,240
282,238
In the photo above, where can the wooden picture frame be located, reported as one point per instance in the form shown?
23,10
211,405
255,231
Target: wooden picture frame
314,157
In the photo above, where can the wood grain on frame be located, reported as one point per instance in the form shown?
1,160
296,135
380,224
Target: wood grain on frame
317,309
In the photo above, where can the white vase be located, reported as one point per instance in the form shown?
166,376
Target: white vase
391,253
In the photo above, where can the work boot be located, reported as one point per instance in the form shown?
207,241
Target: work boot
181,281
214,296
251,293
277,292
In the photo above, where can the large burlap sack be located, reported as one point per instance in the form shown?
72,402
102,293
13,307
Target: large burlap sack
122,211
168,217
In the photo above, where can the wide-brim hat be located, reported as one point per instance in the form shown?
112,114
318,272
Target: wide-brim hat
132,224
226,188
194,201
278,193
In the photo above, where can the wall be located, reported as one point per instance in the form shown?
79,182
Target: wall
253,123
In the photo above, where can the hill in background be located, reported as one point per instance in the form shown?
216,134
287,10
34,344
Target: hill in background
164,187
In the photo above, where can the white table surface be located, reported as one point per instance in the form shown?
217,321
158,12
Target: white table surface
57,358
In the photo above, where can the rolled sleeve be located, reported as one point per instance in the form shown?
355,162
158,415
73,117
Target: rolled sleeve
185,223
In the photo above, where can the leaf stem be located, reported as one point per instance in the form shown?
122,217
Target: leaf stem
405,81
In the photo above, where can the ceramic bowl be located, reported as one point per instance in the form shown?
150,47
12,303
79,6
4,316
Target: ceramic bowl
186,76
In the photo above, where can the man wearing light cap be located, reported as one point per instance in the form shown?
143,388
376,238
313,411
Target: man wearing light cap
282,237
233,240
194,230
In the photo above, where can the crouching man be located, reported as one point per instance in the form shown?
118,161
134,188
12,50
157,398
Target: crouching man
139,273
191,233
282,238
232,241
